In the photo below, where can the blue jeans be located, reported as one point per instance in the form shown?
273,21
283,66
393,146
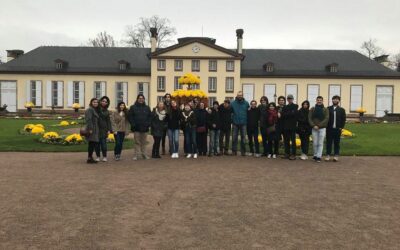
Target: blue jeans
236,130
318,136
190,140
103,145
119,140
173,139
252,133
214,141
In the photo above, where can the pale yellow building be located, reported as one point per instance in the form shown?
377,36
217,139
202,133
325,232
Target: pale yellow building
56,77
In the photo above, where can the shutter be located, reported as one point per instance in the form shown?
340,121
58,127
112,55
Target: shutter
70,94
103,88
28,91
125,92
48,94
60,92
82,94
38,93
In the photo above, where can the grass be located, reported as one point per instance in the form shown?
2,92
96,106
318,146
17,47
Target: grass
11,140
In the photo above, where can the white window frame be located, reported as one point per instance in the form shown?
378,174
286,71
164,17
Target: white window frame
212,84
161,83
271,96
195,65
178,62
356,99
312,97
212,65
228,83
176,83
290,91
161,64
333,91
230,65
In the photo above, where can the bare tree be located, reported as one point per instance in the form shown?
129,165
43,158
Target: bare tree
102,39
371,49
395,59
139,35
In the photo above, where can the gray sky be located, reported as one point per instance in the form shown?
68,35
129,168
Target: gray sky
307,24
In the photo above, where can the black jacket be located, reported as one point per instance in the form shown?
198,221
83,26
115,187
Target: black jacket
340,117
303,126
253,118
139,117
263,115
214,118
158,127
201,117
289,116
226,117
104,123
188,119
174,117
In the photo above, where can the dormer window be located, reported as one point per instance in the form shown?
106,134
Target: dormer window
332,68
60,64
123,65
269,67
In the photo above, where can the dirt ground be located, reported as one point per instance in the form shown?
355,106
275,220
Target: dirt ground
57,201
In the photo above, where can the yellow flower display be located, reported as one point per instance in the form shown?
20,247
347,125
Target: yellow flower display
29,105
39,125
111,138
64,123
76,106
37,130
346,133
51,135
29,127
189,78
74,138
361,110
298,142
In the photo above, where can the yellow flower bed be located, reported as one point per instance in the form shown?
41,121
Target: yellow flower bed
51,135
39,125
37,130
189,78
64,123
29,127
74,138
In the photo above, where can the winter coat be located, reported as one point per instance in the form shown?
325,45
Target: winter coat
104,123
92,124
317,122
139,117
158,127
174,117
201,117
226,117
289,116
303,126
214,118
263,115
239,108
188,119
253,118
120,123
340,117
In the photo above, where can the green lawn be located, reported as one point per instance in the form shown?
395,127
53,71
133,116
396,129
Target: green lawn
11,140
369,139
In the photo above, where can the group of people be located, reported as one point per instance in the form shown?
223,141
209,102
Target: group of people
218,123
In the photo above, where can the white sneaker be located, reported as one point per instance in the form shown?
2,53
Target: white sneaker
274,156
104,159
176,155
195,156
327,158
97,159
269,156
303,157
336,158
173,156
249,154
257,155
135,158
189,156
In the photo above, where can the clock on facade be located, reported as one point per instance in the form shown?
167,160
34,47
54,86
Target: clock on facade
196,49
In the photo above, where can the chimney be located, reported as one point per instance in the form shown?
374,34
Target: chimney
12,54
239,35
153,39
383,59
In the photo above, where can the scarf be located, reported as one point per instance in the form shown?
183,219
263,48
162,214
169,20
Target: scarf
161,114
318,112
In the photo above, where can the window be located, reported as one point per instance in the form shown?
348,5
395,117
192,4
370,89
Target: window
270,92
291,89
312,93
176,83
248,91
160,83
160,98
195,65
196,86
356,92
59,65
33,92
230,65
99,89
333,90
122,66
161,65
333,69
55,91
178,65
229,84
121,92
230,98
212,65
211,99
76,92
212,84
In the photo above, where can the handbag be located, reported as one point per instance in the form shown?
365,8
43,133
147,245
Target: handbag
271,129
201,129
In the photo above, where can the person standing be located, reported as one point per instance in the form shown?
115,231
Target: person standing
167,104
188,123
273,140
289,117
318,118
304,129
140,119
263,107
337,121
239,120
174,117
92,129
253,119
214,126
201,128
104,126
279,125
225,112
120,127
159,124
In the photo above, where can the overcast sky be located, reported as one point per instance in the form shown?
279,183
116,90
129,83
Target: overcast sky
285,24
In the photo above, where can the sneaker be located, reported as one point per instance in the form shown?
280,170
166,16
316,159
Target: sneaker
146,157
292,157
269,156
274,156
249,154
285,156
327,158
91,161
116,157
97,159
189,156
195,156
303,157
318,160
314,158
104,159
135,158
257,155
336,158
173,156
176,155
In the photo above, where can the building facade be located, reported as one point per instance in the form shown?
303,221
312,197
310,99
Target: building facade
56,77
